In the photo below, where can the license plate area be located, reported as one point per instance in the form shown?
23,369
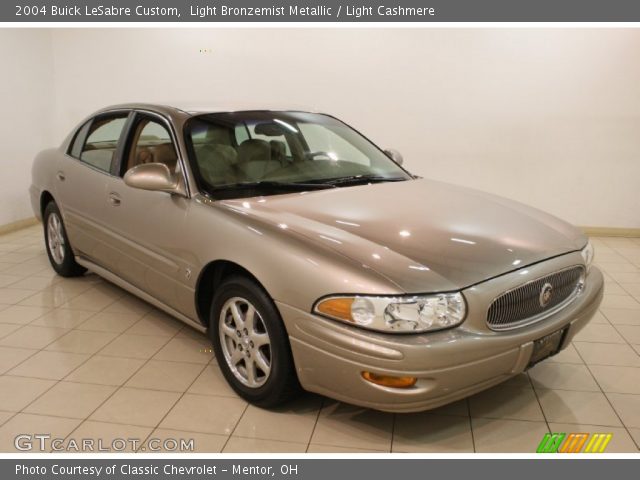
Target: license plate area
547,346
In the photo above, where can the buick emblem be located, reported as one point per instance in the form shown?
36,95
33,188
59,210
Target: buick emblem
545,294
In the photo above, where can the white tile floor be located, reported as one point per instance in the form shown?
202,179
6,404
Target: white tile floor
81,358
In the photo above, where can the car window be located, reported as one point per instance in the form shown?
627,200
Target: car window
324,143
151,143
78,141
235,149
100,147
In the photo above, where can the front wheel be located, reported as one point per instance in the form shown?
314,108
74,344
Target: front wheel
251,343
58,249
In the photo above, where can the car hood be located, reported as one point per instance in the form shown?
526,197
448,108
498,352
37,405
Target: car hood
422,235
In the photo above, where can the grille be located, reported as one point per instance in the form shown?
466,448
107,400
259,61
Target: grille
522,305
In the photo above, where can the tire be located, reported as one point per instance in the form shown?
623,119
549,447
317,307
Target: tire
239,345
57,244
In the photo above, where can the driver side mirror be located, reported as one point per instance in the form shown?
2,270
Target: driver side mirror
152,176
394,155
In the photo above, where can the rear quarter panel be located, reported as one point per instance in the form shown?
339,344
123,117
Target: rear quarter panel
43,173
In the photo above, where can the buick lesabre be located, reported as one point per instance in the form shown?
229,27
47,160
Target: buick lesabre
312,258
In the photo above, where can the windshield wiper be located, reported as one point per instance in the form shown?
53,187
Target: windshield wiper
268,184
359,179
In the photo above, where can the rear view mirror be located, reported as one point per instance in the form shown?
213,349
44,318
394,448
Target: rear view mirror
394,155
151,176
269,129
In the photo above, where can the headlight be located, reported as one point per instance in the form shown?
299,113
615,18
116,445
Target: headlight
587,255
402,314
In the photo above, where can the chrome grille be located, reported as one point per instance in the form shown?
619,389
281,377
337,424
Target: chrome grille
522,305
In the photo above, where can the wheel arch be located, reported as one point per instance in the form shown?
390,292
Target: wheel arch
45,198
211,276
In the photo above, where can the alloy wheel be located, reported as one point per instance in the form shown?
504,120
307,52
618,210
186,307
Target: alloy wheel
55,238
245,342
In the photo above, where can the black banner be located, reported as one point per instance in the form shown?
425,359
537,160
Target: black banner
426,11
316,469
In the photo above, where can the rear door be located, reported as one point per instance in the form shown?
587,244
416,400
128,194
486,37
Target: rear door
81,183
146,226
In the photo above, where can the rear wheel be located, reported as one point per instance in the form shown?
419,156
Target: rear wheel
251,343
58,249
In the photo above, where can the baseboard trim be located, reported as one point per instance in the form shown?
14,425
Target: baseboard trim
19,225
611,231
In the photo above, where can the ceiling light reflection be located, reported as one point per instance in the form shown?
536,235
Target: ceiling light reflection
285,125
348,223
462,240
324,237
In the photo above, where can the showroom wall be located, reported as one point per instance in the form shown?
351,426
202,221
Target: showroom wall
550,117
27,114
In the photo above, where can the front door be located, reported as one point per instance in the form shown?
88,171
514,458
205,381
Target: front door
147,226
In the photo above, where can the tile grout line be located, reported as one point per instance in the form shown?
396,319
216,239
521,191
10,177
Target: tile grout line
535,392
315,424
393,431
604,394
182,394
473,437
235,427
118,387
42,349
57,381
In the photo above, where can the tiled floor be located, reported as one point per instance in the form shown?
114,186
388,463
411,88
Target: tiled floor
83,359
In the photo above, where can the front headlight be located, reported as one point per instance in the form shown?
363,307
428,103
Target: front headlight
587,255
402,314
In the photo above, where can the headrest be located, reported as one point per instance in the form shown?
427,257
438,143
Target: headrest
254,150
218,135
144,156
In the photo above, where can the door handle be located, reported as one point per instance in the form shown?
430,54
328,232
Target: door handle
114,199
60,176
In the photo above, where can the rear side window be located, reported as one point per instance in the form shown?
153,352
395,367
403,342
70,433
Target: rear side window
78,141
102,140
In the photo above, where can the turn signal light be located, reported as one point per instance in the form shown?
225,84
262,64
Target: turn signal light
389,381
336,308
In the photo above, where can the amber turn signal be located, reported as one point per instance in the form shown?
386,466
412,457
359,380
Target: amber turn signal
336,308
389,381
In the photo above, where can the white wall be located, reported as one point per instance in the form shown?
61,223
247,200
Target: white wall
26,116
550,117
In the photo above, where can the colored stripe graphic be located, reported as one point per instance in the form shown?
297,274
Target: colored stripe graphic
574,443
598,443
550,442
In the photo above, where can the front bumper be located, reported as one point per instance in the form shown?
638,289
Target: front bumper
451,364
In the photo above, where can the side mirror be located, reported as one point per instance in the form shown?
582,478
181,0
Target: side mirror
394,155
151,176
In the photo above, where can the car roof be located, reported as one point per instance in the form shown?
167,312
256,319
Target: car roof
196,109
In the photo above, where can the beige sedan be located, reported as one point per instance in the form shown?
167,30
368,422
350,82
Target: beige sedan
312,258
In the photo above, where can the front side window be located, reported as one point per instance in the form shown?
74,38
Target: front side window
240,151
150,143
102,141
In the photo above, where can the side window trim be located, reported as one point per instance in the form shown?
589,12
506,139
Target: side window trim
119,154
127,144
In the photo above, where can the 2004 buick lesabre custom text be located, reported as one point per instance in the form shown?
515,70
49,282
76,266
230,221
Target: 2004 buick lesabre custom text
311,257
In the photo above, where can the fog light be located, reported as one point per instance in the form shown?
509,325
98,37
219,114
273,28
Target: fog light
389,381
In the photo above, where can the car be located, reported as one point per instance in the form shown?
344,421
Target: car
311,258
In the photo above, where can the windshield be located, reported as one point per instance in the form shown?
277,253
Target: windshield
235,153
